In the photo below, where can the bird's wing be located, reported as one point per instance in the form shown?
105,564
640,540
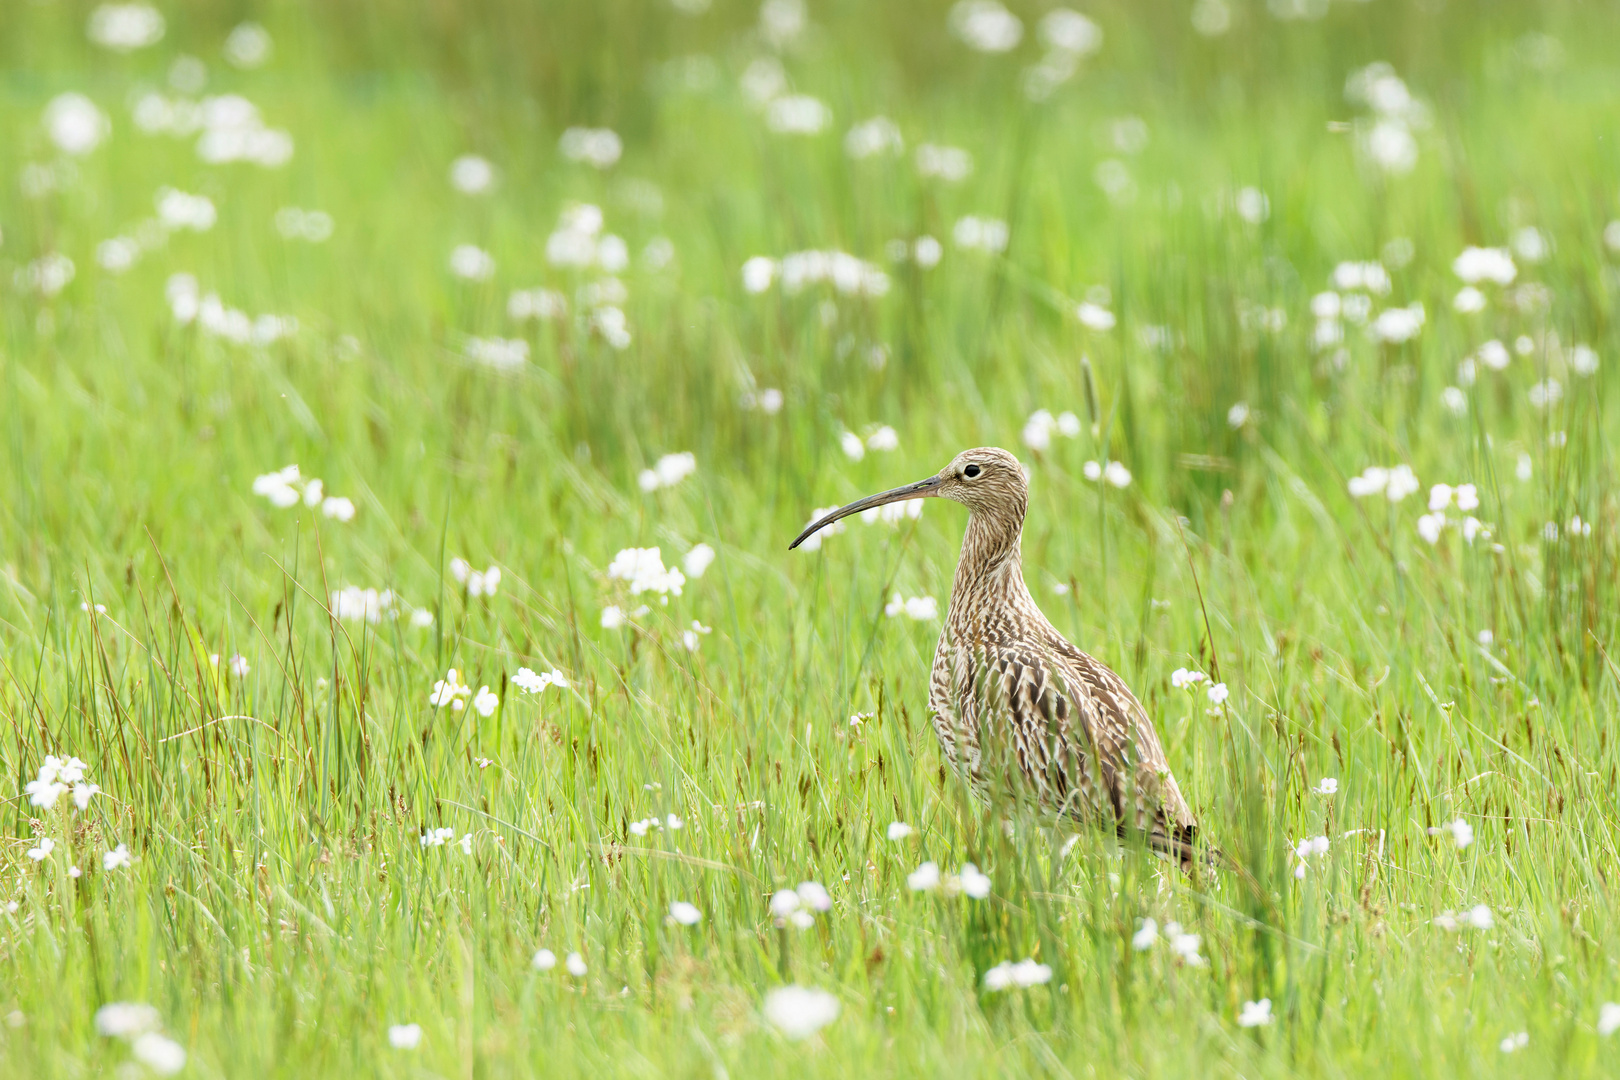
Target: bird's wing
1084,742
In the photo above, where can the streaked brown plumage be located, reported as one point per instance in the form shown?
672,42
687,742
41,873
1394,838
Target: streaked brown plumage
1021,713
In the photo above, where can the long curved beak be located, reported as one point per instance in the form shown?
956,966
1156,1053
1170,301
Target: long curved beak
922,489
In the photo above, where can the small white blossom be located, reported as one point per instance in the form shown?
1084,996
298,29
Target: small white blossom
684,913
697,560
471,262
117,858
1023,974
1218,693
39,851
472,175
1608,1019
986,26
126,1019
1255,1013
575,965
799,1012
1328,786
599,148
1185,679
899,830
485,701
1515,1042
405,1036
924,879
436,837
1146,935
1477,264
544,960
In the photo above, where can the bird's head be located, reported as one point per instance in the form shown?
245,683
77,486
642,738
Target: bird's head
989,481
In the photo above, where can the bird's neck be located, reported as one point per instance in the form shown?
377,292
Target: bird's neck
990,567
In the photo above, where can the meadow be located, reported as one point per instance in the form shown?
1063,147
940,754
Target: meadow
407,407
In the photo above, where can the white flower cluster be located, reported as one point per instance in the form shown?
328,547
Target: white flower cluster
799,270
1183,945
499,354
599,148
1041,425
881,438
970,881
647,825
47,275
1022,975
56,778
684,913
125,27
1441,498
798,1012
1316,845
951,164
1478,917
1069,37
74,123
310,226
478,582
1255,1013
178,210
543,304
471,263
916,608
800,906
980,234
188,304
286,488
451,691
1114,472
986,26
669,470
869,138
1354,284
472,175
1394,483
578,241
1462,833
532,682
1386,137
1393,326
228,128
644,570
141,1026
352,603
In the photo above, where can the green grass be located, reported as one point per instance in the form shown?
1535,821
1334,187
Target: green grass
281,912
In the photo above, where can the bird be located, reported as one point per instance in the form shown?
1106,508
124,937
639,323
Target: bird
1020,712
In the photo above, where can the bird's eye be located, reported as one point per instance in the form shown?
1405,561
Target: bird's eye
971,471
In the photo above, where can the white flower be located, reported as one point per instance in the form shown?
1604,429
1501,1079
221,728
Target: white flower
644,569
1477,264
1583,360
1401,483
1025,973
1252,205
436,837
44,793
1094,316
1066,30
159,1053
485,701
531,682
684,913
599,148
544,960
980,234
42,849
1328,786
247,45
758,273
1461,831
974,883
117,858
797,114
697,560
178,210
885,438
693,637
869,138
1237,415
780,21
923,879
1391,146
1117,474
798,1012
405,1036
1454,400
1184,678
1546,393
949,163
899,830
450,691
1608,1019
851,444
82,794
814,542
614,617
784,902
239,665
1255,1013
575,965
1396,325
986,26
472,262
472,175
118,254
1515,1042
74,123
1429,527
1218,693
1366,276
126,1019
502,354
669,470
125,27
536,304
1469,300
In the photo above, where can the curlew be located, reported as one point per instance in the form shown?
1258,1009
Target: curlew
1021,713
